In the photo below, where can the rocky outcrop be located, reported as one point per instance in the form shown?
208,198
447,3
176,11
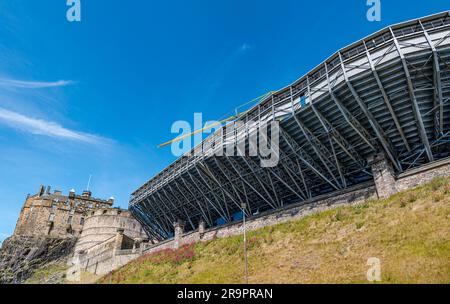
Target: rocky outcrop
21,256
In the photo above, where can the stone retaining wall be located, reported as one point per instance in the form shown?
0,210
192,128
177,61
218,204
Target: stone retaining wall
353,195
422,175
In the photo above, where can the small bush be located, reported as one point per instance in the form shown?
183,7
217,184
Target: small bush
255,242
359,225
438,197
339,216
359,208
437,183
412,197
408,199
183,254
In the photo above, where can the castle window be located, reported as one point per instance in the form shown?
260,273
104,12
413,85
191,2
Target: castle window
82,221
70,219
51,218
28,214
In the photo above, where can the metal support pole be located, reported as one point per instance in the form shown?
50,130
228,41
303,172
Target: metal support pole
243,207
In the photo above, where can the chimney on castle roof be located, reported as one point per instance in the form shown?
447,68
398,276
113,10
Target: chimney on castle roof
72,193
86,194
41,190
48,190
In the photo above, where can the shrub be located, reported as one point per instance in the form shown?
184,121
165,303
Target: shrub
412,197
173,256
438,197
357,209
437,183
339,216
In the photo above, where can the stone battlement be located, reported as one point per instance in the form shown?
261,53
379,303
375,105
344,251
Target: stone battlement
109,211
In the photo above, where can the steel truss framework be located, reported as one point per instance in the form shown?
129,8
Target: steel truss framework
387,93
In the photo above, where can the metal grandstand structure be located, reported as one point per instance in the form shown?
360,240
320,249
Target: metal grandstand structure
387,93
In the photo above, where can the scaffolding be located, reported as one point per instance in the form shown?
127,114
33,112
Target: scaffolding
387,93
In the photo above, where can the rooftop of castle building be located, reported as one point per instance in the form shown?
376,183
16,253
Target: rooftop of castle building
45,193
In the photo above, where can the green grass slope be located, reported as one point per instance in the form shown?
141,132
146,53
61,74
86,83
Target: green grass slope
409,233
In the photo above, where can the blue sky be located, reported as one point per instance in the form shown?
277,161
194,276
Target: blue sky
97,97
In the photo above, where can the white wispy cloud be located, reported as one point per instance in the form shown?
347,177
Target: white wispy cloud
46,128
22,84
245,46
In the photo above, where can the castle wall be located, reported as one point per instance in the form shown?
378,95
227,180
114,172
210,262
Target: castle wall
101,225
40,218
55,215
100,262
104,257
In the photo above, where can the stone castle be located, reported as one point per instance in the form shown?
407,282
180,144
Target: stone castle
57,215
53,227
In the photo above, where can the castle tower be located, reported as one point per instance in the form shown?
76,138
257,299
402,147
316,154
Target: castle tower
103,224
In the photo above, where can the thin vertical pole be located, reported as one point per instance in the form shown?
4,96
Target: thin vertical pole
245,248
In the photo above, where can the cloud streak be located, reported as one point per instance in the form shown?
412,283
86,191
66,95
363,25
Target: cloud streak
21,84
46,128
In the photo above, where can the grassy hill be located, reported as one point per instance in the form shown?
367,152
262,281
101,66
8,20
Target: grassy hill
409,233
